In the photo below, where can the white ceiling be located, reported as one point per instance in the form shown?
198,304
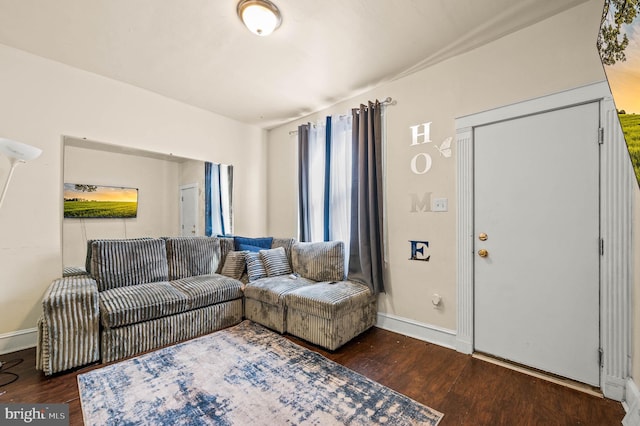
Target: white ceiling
198,51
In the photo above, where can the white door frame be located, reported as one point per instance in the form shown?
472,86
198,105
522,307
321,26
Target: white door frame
616,185
181,188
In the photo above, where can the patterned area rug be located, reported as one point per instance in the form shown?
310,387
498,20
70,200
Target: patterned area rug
244,375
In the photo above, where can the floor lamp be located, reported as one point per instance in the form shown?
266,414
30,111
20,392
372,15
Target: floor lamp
18,153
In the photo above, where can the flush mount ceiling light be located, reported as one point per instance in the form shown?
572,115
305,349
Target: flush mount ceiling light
261,16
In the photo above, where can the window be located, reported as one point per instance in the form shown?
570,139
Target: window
341,189
218,184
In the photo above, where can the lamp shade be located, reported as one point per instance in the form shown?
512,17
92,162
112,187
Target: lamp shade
261,17
18,150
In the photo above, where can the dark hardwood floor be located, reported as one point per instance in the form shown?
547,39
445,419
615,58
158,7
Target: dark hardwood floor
467,390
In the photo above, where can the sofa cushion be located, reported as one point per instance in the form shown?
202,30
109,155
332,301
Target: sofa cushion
120,263
205,290
275,262
285,243
87,262
234,264
136,303
191,256
255,267
321,261
329,299
271,289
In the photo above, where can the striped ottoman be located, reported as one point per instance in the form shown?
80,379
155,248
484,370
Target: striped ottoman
329,314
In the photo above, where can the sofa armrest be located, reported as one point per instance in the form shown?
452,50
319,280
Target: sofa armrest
69,329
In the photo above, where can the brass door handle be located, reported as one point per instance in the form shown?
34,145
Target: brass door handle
483,253
482,236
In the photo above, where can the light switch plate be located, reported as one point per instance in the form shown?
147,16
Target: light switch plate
439,205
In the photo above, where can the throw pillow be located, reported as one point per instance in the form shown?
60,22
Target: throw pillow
249,247
226,247
275,262
234,264
252,244
255,267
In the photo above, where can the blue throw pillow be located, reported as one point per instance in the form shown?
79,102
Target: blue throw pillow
248,247
252,244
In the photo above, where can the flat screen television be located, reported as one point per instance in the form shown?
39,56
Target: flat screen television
95,201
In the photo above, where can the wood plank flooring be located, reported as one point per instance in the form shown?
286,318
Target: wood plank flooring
468,391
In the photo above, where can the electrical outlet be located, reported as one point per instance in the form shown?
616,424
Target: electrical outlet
439,205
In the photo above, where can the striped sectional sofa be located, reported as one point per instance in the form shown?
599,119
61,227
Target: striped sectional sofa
314,302
141,294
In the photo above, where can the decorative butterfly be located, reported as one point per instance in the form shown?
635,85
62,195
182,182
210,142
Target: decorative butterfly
445,147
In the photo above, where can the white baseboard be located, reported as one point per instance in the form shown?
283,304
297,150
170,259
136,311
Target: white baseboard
632,404
464,345
18,340
613,387
428,333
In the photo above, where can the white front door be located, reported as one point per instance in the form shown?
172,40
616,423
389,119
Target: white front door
189,210
536,197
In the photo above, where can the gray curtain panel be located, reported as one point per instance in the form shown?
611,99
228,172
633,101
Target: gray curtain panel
227,217
366,257
304,218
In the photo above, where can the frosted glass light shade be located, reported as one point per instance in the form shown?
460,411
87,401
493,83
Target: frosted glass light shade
261,17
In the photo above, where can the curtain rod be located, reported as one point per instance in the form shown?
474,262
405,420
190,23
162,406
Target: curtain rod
388,101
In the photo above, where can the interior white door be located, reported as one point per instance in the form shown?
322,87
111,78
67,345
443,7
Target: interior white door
536,197
189,210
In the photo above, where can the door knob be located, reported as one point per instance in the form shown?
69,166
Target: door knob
482,236
483,253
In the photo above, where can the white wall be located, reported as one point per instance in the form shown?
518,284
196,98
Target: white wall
43,100
554,55
157,182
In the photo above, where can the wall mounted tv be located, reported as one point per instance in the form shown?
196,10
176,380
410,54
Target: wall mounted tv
94,201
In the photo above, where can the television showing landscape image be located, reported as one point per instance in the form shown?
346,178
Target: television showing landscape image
94,201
